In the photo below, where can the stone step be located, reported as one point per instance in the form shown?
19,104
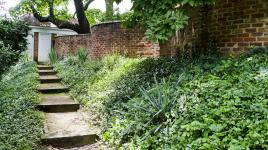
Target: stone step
49,79
42,63
57,103
47,72
67,130
44,67
52,88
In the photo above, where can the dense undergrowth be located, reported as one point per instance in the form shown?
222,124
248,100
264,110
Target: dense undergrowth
20,125
164,104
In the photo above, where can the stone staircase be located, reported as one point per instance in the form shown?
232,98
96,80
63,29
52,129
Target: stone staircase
64,125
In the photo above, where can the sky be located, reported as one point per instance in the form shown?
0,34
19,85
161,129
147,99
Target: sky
100,4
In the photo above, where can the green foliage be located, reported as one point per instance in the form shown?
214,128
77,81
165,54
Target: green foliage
206,104
95,16
105,83
162,18
126,16
12,42
157,101
220,106
53,56
21,126
60,7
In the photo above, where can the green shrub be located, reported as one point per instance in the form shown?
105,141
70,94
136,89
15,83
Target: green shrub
21,126
12,42
53,56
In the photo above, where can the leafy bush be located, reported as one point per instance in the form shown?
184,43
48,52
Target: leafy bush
206,104
12,42
21,126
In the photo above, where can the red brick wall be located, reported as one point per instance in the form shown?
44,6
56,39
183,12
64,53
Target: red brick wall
66,45
238,24
230,25
107,38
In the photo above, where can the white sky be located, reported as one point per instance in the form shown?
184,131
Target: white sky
124,6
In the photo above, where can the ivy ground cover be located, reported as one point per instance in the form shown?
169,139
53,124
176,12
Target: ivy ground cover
166,104
20,125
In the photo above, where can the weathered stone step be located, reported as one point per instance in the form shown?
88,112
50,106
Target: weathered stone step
42,63
49,79
47,72
57,103
52,88
44,67
67,130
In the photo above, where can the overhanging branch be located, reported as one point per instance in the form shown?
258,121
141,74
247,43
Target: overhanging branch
87,4
59,23
38,16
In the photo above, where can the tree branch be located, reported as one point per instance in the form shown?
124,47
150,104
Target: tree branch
38,16
87,4
59,23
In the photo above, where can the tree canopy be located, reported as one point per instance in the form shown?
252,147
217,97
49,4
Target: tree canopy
57,12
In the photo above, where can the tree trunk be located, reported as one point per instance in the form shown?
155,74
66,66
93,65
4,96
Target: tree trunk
109,9
83,22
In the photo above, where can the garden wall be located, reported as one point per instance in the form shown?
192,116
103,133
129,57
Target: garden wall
107,38
230,25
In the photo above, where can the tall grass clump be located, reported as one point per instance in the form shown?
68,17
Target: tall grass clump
82,55
53,56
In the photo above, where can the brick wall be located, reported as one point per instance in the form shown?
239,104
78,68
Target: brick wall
107,38
67,45
230,25
238,24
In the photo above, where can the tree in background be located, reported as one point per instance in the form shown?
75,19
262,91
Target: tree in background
56,12
95,16
109,9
